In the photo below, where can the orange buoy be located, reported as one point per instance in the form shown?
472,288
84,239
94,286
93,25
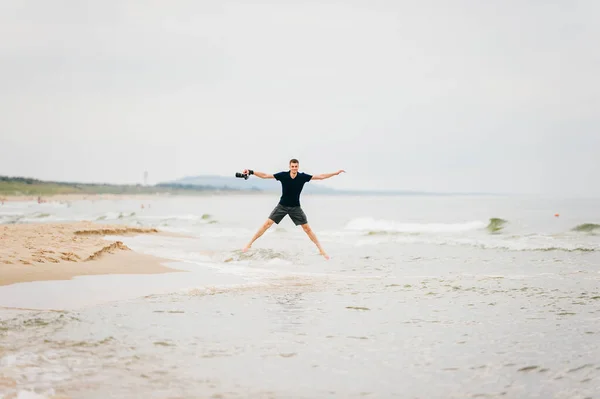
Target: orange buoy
556,215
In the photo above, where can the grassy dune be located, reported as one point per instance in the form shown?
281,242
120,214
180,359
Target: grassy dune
21,186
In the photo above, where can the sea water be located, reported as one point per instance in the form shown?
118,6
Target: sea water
424,297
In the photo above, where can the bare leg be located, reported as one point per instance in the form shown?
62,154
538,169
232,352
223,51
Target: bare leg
313,238
259,233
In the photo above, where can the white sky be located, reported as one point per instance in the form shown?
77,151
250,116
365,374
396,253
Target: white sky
500,96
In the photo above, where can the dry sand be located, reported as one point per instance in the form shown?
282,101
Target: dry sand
35,252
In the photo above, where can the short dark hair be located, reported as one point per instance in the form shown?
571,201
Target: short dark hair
294,160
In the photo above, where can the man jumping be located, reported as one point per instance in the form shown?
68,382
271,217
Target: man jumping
292,183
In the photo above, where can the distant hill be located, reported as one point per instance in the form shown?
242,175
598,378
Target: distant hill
25,186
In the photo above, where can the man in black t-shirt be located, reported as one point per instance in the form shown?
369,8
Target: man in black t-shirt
292,184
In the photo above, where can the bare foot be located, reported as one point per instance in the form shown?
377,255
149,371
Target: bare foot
246,248
325,255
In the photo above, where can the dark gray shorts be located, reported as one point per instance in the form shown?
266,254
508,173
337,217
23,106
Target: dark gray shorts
296,214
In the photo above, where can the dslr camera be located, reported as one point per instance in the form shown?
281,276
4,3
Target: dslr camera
244,175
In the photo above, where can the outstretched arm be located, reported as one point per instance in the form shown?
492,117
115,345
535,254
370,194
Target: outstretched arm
258,174
324,176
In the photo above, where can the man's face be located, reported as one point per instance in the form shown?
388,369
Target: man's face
294,167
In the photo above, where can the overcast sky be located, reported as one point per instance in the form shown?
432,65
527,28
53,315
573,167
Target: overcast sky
500,96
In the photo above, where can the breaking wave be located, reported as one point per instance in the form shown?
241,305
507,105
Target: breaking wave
587,228
261,254
478,234
495,225
536,243
374,226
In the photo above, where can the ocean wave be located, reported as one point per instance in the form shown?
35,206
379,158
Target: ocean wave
587,228
204,218
222,289
260,254
230,232
188,217
167,220
115,216
11,213
10,219
30,395
530,247
516,244
536,243
495,225
374,226
286,283
36,217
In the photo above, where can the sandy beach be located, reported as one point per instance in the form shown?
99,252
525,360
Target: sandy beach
59,251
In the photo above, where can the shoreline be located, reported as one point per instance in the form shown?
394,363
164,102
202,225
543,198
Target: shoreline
61,251
102,197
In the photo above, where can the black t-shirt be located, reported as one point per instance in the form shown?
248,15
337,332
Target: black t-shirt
291,188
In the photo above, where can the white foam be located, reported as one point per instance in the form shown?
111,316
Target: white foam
36,217
390,226
218,232
279,262
30,395
20,204
188,217
536,243
112,216
8,361
223,288
11,213
180,230
180,249
44,219
529,243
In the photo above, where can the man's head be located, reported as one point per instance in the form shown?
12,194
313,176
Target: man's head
294,165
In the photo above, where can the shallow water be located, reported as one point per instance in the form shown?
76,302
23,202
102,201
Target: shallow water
419,300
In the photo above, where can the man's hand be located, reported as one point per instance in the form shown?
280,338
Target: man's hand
324,176
262,175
